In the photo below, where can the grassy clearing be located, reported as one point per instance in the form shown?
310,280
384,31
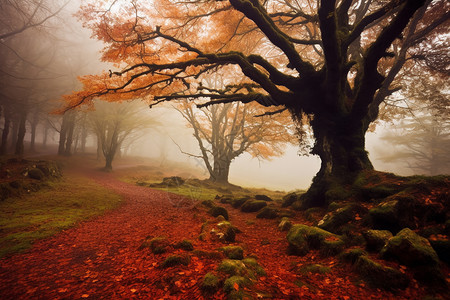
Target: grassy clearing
58,206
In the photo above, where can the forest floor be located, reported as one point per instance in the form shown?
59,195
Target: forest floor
102,258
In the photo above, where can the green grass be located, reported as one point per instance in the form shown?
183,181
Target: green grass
58,206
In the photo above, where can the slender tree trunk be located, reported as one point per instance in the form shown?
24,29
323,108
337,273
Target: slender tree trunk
21,133
62,136
34,124
14,133
45,137
5,133
69,139
108,162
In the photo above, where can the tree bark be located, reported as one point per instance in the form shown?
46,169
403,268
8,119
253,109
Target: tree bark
5,133
221,171
341,148
21,133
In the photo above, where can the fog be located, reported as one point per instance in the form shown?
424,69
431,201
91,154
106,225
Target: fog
56,54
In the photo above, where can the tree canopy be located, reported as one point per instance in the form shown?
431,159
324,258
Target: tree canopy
334,61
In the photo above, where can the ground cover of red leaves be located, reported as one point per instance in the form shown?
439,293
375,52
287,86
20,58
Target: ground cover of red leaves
101,259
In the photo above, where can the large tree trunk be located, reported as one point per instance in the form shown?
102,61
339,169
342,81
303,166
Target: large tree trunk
341,148
221,170
108,162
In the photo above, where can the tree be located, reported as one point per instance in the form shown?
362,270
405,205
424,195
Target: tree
320,58
424,134
113,123
225,131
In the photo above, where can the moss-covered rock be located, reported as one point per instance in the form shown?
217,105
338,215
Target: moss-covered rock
210,283
208,203
380,276
185,245
376,239
285,224
333,221
236,203
410,249
36,173
268,212
233,252
234,287
157,245
314,269
352,255
253,205
226,232
254,266
263,197
394,214
289,199
442,248
232,267
302,238
216,211
174,260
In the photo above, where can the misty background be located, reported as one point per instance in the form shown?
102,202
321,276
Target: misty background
40,64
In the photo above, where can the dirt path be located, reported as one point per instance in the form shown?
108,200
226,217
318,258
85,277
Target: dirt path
100,259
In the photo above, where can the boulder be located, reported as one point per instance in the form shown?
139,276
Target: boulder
442,248
263,197
236,203
210,283
253,205
267,212
333,221
289,199
396,213
380,276
233,252
173,181
216,211
376,239
225,232
285,224
36,173
410,249
302,238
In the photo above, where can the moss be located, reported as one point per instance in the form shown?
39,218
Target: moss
208,203
218,211
314,269
253,205
252,264
285,224
210,283
208,254
185,245
235,284
289,199
233,252
236,203
267,213
157,245
352,255
379,276
232,267
302,237
175,260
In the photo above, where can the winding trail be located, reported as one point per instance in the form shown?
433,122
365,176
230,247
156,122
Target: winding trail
100,259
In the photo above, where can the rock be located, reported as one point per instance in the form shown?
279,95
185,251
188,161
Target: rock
173,181
376,239
233,252
208,203
285,224
229,286
333,221
216,211
263,197
267,213
226,232
157,245
410,249
394,214
302,238
253,205
36,173
379,276
185,245
289,199
174,260
232,267
442,248
210,283
236,203
351,256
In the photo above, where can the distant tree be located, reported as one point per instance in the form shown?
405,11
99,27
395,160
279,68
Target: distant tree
113,123
334,61
423,135
225,131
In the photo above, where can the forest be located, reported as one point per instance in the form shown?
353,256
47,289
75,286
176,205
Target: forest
236,149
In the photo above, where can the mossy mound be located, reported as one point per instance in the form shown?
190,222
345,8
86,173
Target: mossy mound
263,197
285,224
410,249
185,245
352,255
268,212
302,238
289,199
380,276
233,252
175,260
236,203
210,283
334,220
253,205
216,211
376,239
314,269
36,173
157,245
